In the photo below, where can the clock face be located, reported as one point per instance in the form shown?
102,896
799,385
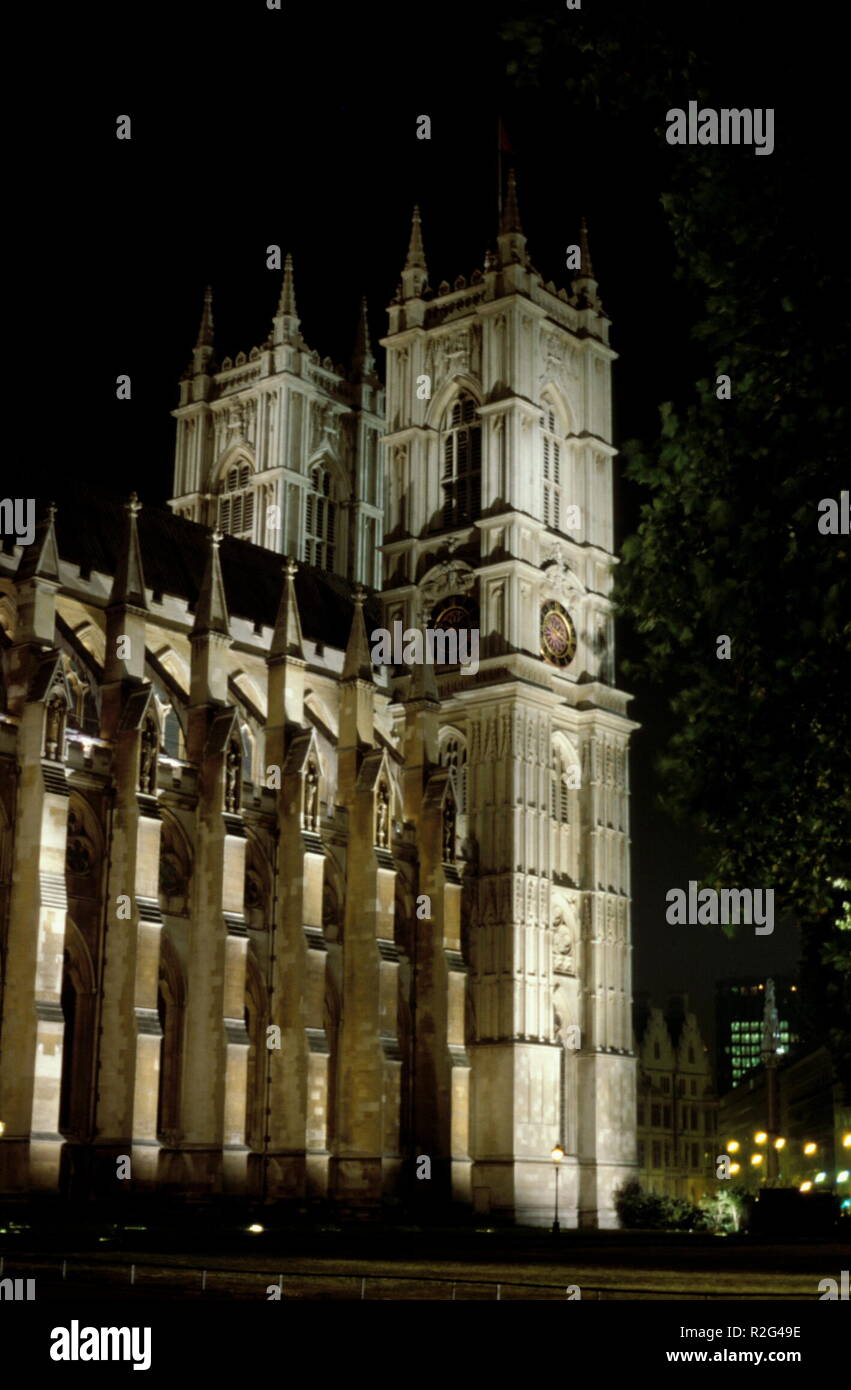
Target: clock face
558,635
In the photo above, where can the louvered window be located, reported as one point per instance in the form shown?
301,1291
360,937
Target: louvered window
236,503
462,464
320,521
551,468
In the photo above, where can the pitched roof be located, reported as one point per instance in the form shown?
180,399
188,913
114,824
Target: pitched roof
90,530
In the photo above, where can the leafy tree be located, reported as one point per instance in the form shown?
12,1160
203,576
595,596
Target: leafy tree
728,541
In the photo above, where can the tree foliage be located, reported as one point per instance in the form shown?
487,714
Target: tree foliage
759,753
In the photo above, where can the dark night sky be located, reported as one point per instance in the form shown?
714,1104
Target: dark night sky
273,128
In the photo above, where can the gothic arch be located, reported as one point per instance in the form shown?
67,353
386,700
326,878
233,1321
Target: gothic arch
234,457
257,897
551,395
84,848
453,753
457,385
176,864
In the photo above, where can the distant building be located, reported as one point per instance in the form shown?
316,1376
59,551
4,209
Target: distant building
677,1103
738,1025
810,1116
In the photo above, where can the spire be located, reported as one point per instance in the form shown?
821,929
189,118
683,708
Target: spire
511,212
128,585
205,328
287,639
211,614
584,285
41,559
415,272
286,319
363,361
202,353
511,240
286,304
358,662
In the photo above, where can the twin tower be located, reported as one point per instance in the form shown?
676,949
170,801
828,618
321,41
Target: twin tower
430,901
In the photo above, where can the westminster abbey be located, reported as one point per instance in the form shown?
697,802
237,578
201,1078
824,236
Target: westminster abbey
276,921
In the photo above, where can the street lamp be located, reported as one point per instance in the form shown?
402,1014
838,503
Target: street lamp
557,1154
733,1146
761,1137
810,1148
780,1143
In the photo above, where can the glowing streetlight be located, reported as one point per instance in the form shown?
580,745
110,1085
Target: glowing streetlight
761,1137
735,1167
780,1143
556,1154
255,1229
843,1176
820,1177
810,1148
846,1141
805,1187
756,1159
733,1146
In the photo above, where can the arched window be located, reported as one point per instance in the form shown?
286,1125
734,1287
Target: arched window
564,788
321,520
462,463
453,754
236,503
551,447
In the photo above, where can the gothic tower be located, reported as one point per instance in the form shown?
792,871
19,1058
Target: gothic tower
498,517
280,448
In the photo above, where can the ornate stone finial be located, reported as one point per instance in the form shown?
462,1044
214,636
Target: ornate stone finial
286,304
359,595
205,328
133,505
290,567
51,511
586,268
511,212
216,538
363,360
415,272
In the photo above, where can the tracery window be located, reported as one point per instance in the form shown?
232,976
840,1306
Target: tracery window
551,470
462,463
321,520
453,754
236,503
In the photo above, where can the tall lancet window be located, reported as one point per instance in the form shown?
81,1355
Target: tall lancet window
462,463
236,503
320,520
551,468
